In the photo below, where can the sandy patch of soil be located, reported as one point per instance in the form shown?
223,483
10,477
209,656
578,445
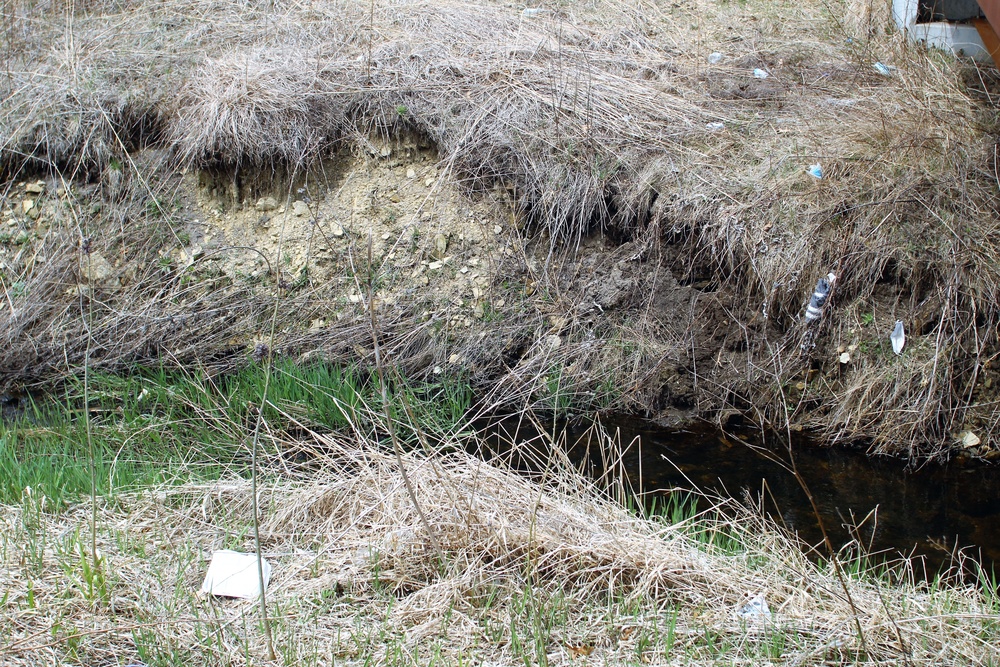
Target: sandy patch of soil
395,201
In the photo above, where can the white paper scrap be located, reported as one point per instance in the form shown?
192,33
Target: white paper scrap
755,609
233,574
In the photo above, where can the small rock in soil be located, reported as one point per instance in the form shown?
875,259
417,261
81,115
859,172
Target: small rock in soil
300,208
96,269
440,245
266,204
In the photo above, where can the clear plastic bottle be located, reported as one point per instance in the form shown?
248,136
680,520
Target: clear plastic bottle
820,294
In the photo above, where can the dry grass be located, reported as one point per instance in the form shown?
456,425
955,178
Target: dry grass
537,571
595,116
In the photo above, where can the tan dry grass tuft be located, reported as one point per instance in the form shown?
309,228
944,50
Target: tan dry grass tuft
865,19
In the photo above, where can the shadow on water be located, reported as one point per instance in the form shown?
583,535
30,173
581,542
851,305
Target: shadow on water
880,503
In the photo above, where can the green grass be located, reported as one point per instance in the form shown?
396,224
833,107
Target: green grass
158,426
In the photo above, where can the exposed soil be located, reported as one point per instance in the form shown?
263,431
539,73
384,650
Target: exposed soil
392,205
605,205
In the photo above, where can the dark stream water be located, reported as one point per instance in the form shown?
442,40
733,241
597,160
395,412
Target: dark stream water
890,509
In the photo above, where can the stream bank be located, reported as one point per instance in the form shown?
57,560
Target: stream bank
886,508
938,517
603,205
878,507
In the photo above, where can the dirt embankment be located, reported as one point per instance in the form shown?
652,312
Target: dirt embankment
610,206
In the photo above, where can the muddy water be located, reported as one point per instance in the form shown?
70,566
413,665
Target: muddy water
890,509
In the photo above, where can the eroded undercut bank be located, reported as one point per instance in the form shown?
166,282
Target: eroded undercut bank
581,200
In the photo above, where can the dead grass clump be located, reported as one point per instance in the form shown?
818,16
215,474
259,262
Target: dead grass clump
260,107
533,569
865,19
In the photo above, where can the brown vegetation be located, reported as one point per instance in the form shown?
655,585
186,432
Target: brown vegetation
591,118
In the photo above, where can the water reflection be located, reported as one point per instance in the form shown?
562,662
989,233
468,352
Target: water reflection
879,502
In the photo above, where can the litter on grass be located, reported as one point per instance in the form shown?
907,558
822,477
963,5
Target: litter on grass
898,338
232,574
755,609
969,439
817,301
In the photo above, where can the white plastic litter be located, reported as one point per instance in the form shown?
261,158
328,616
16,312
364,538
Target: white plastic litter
755,609
233,574
815,170
882,69
969,439
532,12
898,338
760,73
715,127
714,58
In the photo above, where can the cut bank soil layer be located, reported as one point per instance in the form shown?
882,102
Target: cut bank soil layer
606,206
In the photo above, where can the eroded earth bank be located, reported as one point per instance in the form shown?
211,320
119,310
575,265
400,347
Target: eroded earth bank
593,207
